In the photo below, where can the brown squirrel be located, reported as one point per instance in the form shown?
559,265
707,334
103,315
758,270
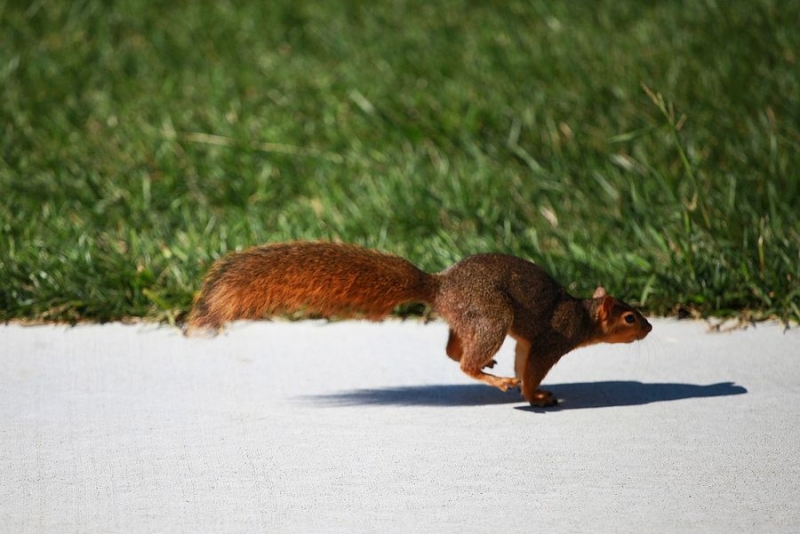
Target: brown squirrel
483,298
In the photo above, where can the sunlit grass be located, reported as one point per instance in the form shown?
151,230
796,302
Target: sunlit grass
652,148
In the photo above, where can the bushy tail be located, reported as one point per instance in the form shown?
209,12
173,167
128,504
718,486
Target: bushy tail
323,279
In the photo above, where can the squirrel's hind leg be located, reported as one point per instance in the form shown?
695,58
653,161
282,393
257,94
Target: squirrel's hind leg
479,343
455,350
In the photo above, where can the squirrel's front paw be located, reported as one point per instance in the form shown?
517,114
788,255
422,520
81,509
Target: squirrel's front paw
490,365
542,399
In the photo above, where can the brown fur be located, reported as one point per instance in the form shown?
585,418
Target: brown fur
483,298
326,279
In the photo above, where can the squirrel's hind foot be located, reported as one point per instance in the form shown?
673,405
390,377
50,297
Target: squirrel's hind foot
501,382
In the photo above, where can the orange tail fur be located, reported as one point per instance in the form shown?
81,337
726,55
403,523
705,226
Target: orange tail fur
327,279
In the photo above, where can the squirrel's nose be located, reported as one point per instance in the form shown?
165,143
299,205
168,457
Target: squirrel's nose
647,327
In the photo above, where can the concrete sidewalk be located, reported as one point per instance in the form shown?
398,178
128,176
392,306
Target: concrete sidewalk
359,427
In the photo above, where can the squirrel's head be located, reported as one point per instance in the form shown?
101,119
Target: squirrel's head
618,322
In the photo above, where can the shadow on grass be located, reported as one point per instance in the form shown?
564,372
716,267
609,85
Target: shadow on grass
571,396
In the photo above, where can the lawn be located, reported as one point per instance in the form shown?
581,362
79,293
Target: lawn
652,147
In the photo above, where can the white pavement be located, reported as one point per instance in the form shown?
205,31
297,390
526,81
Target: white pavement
357,427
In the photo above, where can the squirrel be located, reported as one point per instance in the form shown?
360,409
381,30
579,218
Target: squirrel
483,298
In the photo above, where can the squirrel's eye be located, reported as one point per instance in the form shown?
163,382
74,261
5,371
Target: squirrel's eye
629,318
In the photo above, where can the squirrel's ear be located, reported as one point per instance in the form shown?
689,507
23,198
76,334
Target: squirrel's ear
599,292
606,307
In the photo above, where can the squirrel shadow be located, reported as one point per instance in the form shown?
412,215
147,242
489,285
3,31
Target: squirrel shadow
571,396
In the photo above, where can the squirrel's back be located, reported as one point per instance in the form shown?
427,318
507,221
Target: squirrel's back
326,279
507,281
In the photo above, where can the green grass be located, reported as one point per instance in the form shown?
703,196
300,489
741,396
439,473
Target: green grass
652,147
